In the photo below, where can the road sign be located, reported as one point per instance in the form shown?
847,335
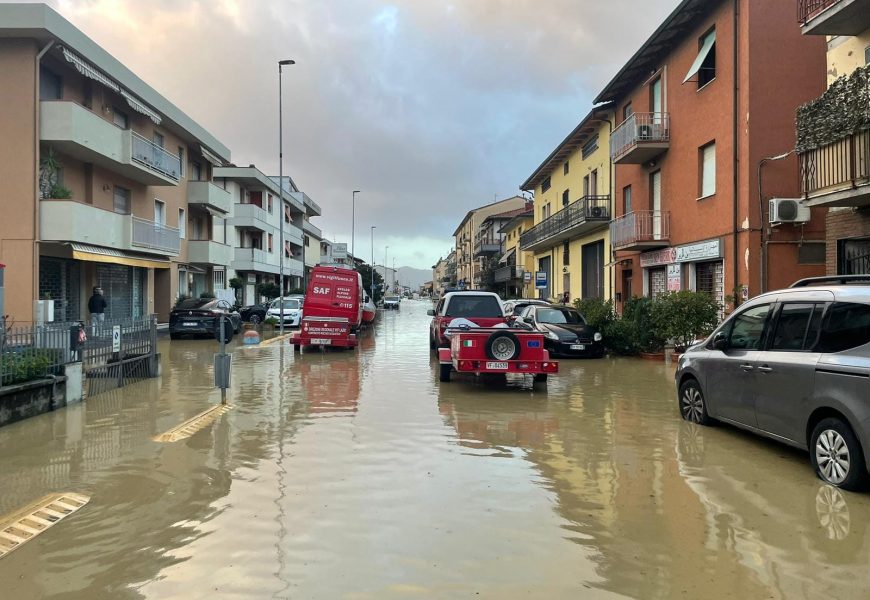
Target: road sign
540,280
527,277
339,251
116,338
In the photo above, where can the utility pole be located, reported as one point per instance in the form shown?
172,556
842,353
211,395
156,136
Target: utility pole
372,284
353,223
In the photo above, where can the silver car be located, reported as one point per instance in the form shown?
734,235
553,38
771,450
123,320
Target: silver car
792,365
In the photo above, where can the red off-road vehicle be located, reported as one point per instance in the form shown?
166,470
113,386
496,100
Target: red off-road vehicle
483,309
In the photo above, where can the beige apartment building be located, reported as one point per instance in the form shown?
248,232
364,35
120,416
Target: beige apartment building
468,243
444,274
105,182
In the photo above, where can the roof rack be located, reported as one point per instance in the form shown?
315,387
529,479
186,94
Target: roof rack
833,280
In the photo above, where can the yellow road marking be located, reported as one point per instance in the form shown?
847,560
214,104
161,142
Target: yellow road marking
194,424
26,523
276,339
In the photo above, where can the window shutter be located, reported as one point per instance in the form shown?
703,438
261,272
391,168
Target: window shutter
708,171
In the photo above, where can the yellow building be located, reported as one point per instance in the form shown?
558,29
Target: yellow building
468,244
515,263
570,240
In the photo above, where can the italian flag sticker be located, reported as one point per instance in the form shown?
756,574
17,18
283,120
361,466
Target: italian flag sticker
467,343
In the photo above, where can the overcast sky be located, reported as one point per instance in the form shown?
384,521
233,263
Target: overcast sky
428,107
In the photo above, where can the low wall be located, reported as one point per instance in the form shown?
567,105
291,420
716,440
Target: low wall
32,398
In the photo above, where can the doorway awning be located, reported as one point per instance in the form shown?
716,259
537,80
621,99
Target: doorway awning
90,253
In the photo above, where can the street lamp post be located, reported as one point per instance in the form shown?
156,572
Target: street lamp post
372,284
281,63
353,222
385,268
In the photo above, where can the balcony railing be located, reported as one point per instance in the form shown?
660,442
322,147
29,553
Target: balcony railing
585,210
833,17
807,9
487,246
508,273
838,167
640,129
639,229
154,157
148,234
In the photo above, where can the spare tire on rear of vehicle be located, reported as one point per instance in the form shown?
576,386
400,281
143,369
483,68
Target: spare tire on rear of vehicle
502,345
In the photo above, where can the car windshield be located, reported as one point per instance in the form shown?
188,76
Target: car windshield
559,316
197,303
487,307
391,298
288,304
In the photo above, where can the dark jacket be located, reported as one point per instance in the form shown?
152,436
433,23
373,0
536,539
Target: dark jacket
97,304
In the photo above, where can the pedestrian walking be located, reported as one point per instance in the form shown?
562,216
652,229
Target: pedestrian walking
565,298
97,307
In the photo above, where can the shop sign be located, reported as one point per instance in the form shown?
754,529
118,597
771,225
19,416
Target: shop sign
710,249
339,251
665,256
674,279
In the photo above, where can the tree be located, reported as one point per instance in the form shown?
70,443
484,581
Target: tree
237,283
487,275
365,271
269,290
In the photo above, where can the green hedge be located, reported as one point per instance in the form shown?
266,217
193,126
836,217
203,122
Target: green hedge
19,367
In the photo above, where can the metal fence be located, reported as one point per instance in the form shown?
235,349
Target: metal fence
586,209
807,9
639,227
117,353
155,157
35,352
843,164
637,128
149,234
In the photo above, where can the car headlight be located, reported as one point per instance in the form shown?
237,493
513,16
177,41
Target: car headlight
552,336
597,337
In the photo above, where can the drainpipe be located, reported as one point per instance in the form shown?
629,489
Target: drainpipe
736,143
36,232
762,226
610,252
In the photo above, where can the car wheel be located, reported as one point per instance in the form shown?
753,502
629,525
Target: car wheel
255,319
541,378
693,407
432,343
502,346
836,455
444,372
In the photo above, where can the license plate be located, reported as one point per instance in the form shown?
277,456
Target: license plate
578,347
190,324
497,366
321,341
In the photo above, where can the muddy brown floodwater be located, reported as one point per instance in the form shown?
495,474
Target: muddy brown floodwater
358,475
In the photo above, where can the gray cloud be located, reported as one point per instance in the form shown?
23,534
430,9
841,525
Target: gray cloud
428,107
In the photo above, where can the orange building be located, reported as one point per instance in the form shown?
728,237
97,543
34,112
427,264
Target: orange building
701,107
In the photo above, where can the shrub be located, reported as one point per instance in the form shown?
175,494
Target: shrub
237,283
620,337
296,292
19,367
638,311
270,321
269,290
59,192
684,316
206,295
597,312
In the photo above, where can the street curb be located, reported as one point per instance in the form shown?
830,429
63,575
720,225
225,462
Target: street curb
276,339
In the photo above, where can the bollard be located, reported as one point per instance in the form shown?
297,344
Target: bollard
251,337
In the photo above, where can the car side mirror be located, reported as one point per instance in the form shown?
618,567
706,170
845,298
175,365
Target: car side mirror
720,342
430,312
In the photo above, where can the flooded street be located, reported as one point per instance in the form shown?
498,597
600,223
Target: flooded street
358,475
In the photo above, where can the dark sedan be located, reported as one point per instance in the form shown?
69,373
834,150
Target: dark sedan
566,332
255,313
200,316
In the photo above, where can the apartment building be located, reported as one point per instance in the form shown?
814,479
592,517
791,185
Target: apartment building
254,230
489,242
468,259
570,239
702,106
104,179
833,132
515,272
444,274
312,234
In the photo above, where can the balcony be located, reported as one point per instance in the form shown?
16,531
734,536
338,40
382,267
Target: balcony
838,174
640,138
204,193
641,230
486,247
208,252
254,259
292,234
312,229
511,273
155,236
71,221
73,130
251,216
588,214
833,17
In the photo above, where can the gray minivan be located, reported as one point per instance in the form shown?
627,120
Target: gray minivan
792,365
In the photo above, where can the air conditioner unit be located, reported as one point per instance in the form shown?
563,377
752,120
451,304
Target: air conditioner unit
597,212
788,210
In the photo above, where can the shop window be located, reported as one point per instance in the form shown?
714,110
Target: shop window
658,281
853,257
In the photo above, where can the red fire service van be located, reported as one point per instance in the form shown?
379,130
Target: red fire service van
332,309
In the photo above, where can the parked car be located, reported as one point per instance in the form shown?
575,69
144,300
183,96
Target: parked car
256,313
292,311
513,308
391,302
200,316
481,308
566,332
792,365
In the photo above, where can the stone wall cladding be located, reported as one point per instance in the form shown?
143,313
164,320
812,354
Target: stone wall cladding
844,224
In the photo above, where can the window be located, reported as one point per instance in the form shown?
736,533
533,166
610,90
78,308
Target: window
159,212
50,84
87,93
590,146
846,326
811,253
793,327
122,200
120,119
627,111
565,168
270,242
219,279
705,63
707,168
270,203
747,328
181,159
545,185
474,306
307,241
157,138
545,211
182,224
566,198
867,55
195,171
585,185
626,200
566,254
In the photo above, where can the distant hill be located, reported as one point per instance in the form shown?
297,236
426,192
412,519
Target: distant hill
412,277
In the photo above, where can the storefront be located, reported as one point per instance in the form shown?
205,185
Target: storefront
698,267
